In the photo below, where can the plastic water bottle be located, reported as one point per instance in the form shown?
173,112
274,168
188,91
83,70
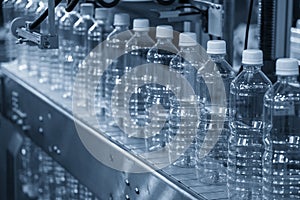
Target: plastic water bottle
246,123
41,66
80,32
185,64
66,44
116,41
10,40
55,69
95,63
19,11
281,159
215,162
136,49
157,95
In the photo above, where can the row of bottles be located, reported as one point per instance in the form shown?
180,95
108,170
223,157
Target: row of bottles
245,127
42,178
263,161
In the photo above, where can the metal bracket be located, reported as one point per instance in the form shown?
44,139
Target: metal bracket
20,29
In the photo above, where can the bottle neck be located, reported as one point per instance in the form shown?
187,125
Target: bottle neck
288,79
251,68
100,22
188,48
141,33
121,27
217,57
164,40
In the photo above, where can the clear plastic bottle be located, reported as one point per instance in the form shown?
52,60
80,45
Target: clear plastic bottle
55,70
281,160
157,95
186,64
19,11
136,54
214,164
66,44
95,62
10,40
116,41
246,123
80,32
41,67
31,12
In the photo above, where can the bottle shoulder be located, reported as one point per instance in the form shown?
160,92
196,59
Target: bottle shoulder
249,80
136,42
284,92
163,48
121,35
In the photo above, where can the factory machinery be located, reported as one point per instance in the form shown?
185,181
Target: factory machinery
39,140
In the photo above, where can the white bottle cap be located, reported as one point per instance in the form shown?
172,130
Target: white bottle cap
164,31
298,24
141,25
216,47
287,67
101,13
121,19
87,9
252,57
187,39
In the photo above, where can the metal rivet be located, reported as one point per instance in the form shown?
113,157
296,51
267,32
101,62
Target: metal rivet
127,182
41,118
137,190
41,130
127,197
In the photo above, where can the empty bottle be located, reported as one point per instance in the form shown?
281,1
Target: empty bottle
19,11
116,42
186,64
136,49
96,63
281,160
66,45
40,65
55,69
10,41
80,33
215,162
158,95
246,123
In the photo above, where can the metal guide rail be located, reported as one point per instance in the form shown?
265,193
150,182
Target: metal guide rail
46,117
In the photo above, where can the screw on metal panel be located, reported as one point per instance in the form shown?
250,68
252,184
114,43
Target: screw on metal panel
127,182
14,117
137,190
127,197
41,118
20,122
26,127
41,130
56,150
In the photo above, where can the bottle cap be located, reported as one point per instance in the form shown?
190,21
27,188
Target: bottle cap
164,31
141,25
101,13
252,57
216,47
187,39
87,9
121,19
298,24
287,67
